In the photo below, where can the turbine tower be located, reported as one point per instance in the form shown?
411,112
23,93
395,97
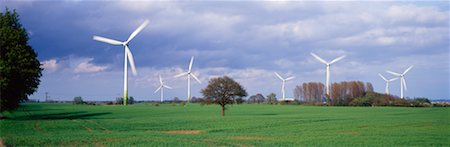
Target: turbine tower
402,79
387,82
328,69
128,56
283,82
161,88
189,74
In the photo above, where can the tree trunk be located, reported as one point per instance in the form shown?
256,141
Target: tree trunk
223,111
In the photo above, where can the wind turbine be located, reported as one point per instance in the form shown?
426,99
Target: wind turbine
128,56
284,81
328,69
402,79
387,82
161,88
189,74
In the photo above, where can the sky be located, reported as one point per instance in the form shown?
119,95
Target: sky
247,41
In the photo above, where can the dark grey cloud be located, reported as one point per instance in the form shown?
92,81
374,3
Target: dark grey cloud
246,40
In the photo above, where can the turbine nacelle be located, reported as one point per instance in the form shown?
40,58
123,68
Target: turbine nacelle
325,62
189,74
283,82
402,79
128,56
328,64
125,44
284,79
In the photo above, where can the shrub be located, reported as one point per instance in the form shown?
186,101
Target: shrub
361,101
78,100
422,100
119,100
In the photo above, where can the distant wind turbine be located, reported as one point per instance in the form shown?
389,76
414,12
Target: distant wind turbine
128,56
387,82
189,74
283,82
161,88
402,79
328,69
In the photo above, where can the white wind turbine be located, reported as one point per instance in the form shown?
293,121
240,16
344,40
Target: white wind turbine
161,88
284,81
402,79
189,74
128,56
328,69
387,82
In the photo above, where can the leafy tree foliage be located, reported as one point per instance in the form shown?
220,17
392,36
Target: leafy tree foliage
78,100
19,68
271,98
257,98
223,91
239,100
119,100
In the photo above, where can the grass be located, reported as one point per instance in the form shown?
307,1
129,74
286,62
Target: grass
243,125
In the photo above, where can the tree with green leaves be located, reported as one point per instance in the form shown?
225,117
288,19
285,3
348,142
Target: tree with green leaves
272,98
78,100
257,98
223,91
19,67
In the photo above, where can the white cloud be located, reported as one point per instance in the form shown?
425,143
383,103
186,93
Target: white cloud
86,67
412,13
50,65
249,42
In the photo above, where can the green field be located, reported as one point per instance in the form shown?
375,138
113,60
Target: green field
243,125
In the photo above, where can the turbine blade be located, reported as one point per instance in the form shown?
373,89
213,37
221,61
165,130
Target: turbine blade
167,86
190,64
409,68
131,59
337,59
281,78
382,77
394,73
160,80
290,78
107,40
404,84
393,79
318,58
139,29
181,74
159,88
195,77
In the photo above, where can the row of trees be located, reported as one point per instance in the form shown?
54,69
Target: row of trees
117,101
259,98
340,93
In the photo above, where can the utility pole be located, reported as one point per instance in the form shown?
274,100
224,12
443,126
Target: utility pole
46,96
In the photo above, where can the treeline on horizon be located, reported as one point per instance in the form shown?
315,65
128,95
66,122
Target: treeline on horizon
346,93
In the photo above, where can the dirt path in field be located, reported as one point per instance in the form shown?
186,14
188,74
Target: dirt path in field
97,144
349,133
210,142
182,132
250,138
37,128
1,143
84,126
100,126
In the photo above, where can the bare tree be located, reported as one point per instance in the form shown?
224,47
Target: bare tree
311,92
223,91
369,87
